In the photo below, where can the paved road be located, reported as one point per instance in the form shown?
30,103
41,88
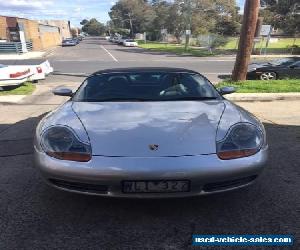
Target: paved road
35,216
94,54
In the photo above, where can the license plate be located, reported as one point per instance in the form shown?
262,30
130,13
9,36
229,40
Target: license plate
156,186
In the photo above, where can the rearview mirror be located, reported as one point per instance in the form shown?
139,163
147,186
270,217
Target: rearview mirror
227,90
63,92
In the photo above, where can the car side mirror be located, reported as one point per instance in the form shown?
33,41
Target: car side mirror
63,92
227,90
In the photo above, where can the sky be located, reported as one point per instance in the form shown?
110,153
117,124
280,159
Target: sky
73,10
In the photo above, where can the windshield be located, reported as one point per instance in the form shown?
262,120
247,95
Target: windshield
130,40
147,86
283,61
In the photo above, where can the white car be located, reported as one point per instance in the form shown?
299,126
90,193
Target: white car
130,43
40,71
14,75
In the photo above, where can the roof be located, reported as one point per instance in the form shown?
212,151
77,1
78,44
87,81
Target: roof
144,69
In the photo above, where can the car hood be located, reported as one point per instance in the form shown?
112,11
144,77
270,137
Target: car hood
130,129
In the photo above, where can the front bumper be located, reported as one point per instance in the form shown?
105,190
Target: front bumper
104,175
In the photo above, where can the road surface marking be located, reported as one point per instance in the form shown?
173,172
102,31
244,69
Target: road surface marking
115,59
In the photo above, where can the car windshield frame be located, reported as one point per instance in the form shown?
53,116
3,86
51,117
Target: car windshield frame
214,93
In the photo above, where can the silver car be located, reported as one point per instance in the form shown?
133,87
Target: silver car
149,132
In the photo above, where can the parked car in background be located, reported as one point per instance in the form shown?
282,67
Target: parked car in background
277,69
185,138
121,40
130,43
40,71
14,75
68,42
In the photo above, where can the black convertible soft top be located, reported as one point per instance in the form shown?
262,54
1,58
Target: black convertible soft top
144,69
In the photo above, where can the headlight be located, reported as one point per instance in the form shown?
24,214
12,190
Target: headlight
62,143
242,140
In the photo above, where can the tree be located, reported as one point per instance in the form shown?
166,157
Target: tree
93,27
281,14
84,22
201,16
136,15
246,40
74,32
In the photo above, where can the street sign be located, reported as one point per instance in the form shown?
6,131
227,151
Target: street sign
265,30
188,32
163,31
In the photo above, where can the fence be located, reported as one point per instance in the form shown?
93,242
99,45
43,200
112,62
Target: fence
14,47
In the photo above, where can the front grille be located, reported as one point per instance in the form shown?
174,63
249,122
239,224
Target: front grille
210,187
82,187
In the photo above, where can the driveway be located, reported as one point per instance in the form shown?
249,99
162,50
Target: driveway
35,216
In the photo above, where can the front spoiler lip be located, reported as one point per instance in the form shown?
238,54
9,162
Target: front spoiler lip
111,173
149,195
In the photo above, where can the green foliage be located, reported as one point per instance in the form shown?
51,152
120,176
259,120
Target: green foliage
84,22
281,14
218,41
227,27
93,27
257,86
23,89
201,16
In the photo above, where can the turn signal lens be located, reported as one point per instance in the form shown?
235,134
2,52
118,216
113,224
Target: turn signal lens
227,155
70,156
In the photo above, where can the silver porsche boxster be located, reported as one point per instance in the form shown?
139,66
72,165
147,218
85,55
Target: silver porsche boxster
149,132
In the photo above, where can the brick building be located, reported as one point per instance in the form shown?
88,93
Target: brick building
42,36
64,27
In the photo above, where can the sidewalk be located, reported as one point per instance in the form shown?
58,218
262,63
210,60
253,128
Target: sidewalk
262,97
28,55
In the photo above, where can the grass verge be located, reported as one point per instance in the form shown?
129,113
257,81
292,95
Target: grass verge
175,48
257,86
282,46
24,89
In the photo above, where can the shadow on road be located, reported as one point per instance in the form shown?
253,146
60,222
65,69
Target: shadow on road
35,215
225,76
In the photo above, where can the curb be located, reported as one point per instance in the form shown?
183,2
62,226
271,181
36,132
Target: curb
263,97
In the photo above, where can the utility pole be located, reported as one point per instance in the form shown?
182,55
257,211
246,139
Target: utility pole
188,23
251,11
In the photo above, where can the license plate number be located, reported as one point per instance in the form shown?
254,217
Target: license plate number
156,186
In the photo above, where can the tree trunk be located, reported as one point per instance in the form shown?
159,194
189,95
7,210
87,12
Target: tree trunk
246,40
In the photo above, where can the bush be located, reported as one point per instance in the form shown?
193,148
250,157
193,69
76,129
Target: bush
295,49
218,41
